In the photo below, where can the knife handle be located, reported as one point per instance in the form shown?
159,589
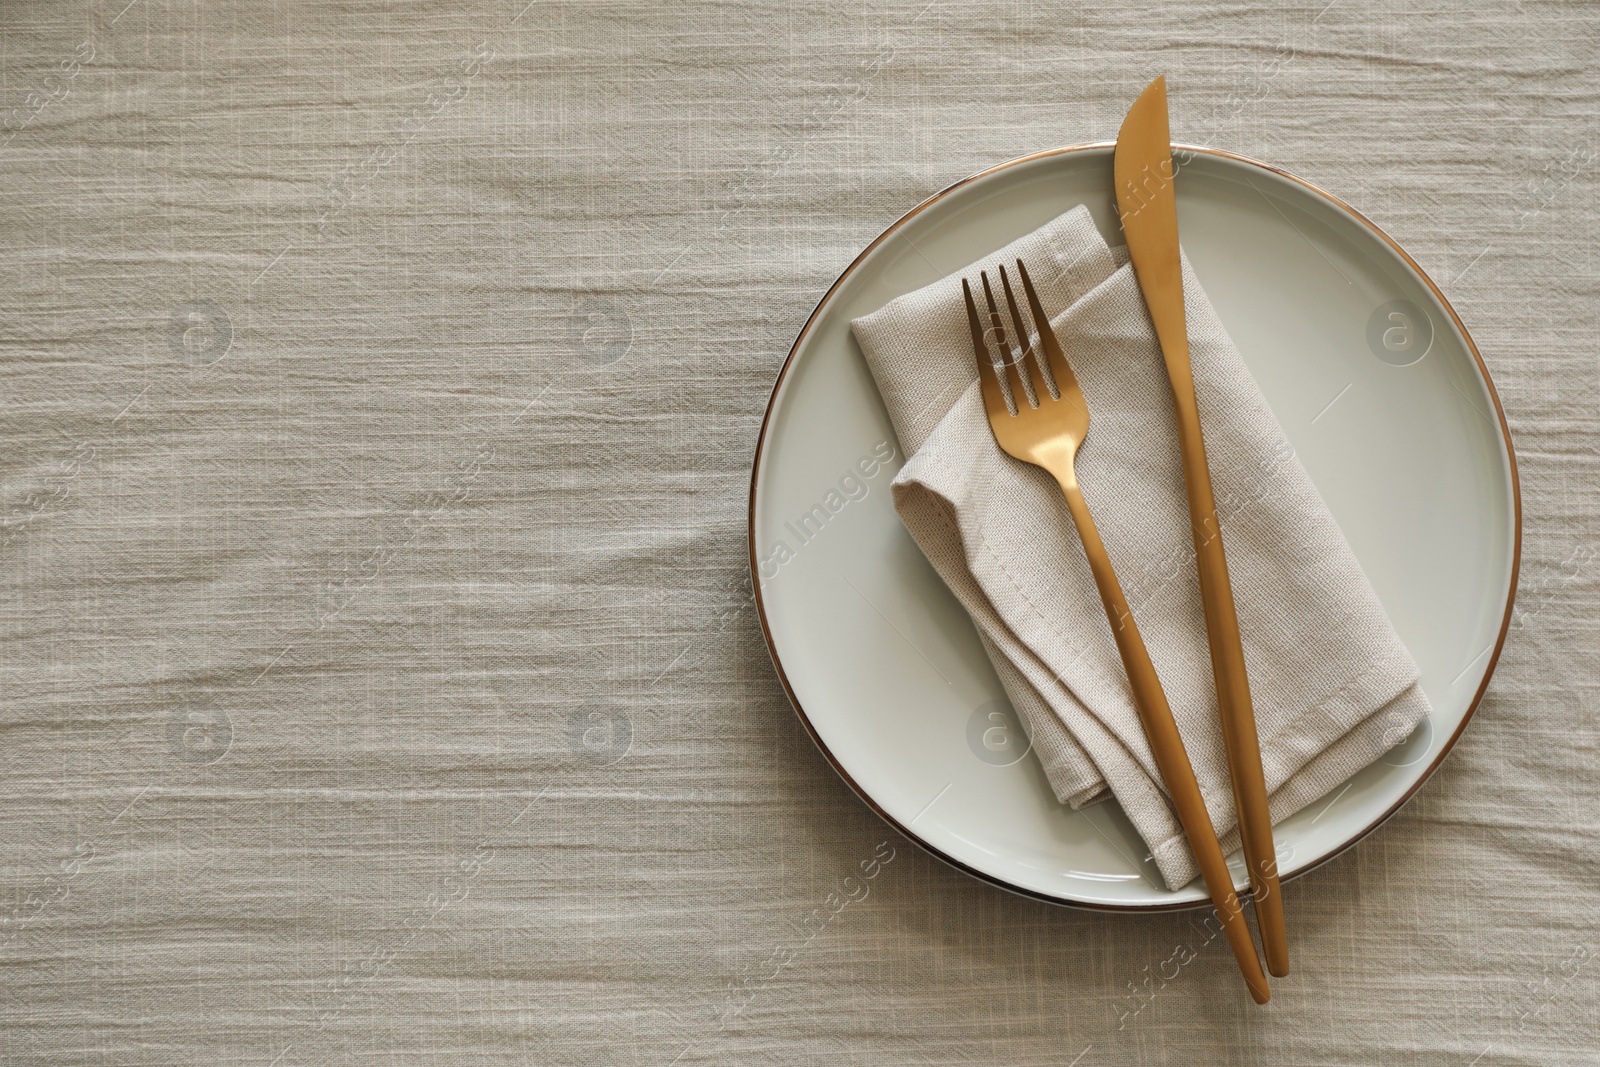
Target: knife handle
1240,740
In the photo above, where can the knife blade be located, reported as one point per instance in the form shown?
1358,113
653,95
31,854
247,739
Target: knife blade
1145,181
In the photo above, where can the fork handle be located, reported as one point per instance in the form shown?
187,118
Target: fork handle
1166,744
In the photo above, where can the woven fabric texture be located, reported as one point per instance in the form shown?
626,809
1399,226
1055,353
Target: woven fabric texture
379,681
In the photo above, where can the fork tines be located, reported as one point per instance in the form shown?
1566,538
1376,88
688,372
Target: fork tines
1048,358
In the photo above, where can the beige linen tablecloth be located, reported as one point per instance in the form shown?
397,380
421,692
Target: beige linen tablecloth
378,680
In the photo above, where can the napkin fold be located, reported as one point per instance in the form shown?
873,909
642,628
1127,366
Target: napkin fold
1333,685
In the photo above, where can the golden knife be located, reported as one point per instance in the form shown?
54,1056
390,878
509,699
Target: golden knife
1144,177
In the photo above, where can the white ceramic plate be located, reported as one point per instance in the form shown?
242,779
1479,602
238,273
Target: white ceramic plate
1373,378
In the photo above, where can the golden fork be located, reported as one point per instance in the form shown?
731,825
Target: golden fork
1046,430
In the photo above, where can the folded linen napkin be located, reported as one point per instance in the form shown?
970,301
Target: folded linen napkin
1333,686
